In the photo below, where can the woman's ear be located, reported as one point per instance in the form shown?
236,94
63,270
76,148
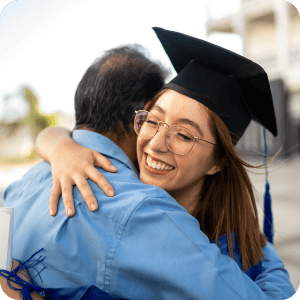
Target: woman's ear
218,167
147,105
213,170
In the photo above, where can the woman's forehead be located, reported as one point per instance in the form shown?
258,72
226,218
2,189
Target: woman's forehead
176,104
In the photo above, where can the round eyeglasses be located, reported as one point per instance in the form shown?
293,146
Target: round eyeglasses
179,140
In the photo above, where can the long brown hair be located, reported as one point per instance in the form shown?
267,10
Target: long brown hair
228,202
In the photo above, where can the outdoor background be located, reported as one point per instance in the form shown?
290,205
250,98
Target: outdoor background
46,46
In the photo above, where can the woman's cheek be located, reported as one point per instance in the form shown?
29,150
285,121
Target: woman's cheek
140,147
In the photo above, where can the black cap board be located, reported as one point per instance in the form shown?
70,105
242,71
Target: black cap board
234,87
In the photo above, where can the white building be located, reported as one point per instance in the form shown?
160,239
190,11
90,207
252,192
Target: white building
270,30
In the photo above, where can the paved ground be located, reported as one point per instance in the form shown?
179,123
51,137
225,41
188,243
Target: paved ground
284,178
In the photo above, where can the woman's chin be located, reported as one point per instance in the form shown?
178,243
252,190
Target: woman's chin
150,179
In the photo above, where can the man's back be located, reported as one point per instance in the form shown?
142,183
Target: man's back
140,244
80,249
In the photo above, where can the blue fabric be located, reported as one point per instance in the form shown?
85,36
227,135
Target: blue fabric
222,244
140,244
79,293
27,286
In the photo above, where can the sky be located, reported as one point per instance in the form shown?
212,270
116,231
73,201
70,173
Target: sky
48,45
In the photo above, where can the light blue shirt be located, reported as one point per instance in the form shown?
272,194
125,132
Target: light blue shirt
139,244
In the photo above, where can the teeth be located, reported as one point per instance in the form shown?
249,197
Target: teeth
158,165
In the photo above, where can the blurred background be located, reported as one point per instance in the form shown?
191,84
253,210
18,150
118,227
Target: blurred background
46,46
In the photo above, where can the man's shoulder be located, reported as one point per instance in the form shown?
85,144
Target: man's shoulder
130,193
35,183
38,174
127,183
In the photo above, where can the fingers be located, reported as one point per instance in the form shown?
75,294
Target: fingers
54,197
67,195
86,192
78,176
101,181
104,163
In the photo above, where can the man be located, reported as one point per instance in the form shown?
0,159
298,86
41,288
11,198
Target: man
119,82
122,247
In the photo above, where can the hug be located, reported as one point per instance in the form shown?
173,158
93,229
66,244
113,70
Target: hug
156,203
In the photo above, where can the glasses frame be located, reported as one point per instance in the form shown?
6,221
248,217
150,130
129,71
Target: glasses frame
164,123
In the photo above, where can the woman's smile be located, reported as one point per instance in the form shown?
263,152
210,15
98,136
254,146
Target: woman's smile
156,166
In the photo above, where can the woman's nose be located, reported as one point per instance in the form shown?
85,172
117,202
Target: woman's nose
158,142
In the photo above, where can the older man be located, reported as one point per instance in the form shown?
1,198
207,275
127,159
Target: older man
121,81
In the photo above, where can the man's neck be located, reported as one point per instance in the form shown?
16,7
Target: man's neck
125,140
112,135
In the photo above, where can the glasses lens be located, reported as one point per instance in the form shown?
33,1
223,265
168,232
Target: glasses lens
145,124
179,140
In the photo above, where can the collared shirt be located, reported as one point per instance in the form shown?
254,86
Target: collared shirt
139,244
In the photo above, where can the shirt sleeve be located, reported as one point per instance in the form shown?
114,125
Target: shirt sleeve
274,279
163,254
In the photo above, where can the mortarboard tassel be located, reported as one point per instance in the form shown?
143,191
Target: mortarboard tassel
268,219
29,286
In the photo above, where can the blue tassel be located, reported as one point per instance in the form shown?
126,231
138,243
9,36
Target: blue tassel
268,219
29,286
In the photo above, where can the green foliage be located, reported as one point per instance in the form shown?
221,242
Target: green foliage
35,119
52,120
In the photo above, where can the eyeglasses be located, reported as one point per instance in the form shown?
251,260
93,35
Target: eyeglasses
179,140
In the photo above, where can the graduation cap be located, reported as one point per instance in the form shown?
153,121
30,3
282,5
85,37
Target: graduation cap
232,86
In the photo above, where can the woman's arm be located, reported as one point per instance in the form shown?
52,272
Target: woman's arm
71,165
48,139
15,294
274,278
270,274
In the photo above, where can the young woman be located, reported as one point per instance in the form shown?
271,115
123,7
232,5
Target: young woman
185,145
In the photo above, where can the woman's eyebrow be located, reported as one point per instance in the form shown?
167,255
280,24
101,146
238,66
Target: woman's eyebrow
158,108
182,120
189,122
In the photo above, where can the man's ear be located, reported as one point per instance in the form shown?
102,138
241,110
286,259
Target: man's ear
147,105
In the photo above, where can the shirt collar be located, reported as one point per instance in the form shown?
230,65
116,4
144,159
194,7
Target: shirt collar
103,145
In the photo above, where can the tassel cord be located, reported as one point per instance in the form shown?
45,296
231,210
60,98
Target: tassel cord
268,219
29,286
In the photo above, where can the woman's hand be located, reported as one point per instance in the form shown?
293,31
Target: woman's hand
73,164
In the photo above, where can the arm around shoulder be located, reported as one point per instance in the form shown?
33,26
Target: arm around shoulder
49,139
